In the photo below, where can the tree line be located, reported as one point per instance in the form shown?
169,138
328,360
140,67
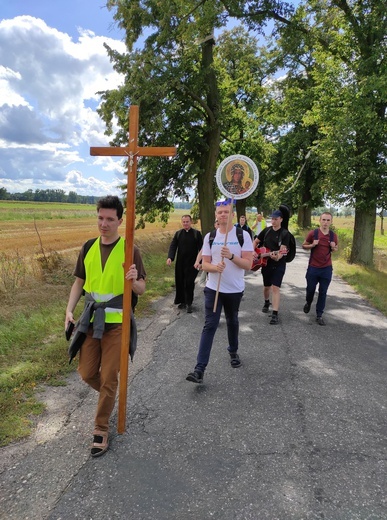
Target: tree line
308,105
55,195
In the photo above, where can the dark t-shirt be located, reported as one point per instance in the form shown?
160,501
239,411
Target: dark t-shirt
270,239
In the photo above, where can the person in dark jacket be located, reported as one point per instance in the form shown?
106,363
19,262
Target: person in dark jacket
185,245
244,225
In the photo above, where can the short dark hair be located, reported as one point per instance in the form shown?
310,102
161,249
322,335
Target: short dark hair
111,202
187,216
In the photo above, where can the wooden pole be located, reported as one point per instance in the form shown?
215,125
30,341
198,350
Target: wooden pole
132,152
129,239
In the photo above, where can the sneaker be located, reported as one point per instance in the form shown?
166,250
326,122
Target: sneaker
306,307
181,306
234,360
265,308
195,377
320,320
274,319
189,309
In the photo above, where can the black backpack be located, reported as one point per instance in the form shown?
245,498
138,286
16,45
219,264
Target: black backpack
239,232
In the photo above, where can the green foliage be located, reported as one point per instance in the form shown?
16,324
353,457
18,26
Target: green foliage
200,97
23,210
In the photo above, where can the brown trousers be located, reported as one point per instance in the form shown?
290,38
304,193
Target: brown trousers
99,366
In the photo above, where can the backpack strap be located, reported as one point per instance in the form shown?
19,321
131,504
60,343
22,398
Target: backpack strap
87,246
315,237
239,233
212,236
282,234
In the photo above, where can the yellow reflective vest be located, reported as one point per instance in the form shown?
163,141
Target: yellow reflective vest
104,285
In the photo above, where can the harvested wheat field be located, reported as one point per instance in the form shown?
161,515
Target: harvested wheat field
29,228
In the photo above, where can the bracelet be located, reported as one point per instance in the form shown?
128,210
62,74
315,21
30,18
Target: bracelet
232,257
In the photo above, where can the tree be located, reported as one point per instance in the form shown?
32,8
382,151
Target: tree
347,40
4,195
191,92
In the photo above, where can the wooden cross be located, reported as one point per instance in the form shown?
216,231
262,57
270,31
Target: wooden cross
133,152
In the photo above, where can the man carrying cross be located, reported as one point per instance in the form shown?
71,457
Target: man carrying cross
133,282
99,272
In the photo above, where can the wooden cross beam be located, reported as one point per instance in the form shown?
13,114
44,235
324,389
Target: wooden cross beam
133,152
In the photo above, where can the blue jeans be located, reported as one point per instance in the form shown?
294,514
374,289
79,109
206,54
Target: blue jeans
230,302
323,277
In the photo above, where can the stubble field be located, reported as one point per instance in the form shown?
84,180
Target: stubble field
26,228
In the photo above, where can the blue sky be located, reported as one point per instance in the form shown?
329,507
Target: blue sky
52,63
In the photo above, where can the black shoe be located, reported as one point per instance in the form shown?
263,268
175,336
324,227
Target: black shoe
274,319
189,309
181,306
234,360
320,320
306,307
195,377
265,308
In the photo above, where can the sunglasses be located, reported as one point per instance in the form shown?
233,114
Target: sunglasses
223,202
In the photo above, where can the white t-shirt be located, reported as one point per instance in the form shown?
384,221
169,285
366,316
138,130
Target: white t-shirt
232,279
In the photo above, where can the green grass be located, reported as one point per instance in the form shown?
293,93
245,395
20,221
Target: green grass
33,349
23,210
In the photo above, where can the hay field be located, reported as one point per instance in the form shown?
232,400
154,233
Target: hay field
27,227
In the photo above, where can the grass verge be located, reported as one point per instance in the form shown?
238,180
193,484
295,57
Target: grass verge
33,349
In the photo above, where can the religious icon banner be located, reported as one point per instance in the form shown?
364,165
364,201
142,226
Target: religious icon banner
237,177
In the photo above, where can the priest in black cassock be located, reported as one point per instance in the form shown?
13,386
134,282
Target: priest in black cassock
187,242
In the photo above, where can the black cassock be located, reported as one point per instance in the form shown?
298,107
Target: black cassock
187,244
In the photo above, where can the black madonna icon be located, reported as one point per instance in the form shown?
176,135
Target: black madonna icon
237,177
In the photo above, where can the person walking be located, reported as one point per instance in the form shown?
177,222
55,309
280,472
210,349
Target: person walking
99,274
259,223
321,242
243,225
187,243
226,261
276,240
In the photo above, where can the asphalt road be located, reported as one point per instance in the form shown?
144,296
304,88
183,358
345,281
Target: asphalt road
299,431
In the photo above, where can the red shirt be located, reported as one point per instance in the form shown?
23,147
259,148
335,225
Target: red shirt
320,255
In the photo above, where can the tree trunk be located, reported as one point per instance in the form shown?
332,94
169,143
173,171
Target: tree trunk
304,217
240,208
363,236
210,154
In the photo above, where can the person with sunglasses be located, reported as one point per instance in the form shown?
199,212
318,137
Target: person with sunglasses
224,260
321,242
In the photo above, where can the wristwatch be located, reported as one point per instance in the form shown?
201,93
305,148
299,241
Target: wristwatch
232,257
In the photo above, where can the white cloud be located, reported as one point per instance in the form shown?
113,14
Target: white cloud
48,82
